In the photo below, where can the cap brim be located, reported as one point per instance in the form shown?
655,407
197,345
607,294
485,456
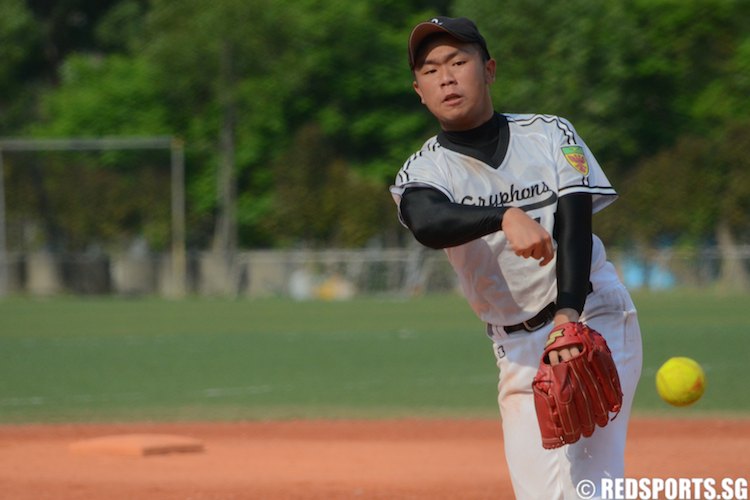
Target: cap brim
419,33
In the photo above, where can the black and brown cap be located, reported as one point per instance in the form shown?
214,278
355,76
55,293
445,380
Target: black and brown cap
460,28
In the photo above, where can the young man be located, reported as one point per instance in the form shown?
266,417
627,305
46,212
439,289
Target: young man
510,199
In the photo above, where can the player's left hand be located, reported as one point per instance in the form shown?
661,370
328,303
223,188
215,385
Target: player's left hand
558,356
562,316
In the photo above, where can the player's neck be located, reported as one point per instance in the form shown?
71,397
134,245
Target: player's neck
477,136
488,142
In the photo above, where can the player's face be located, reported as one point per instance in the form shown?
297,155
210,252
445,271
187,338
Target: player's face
453,82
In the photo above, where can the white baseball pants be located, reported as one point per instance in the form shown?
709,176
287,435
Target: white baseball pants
537,473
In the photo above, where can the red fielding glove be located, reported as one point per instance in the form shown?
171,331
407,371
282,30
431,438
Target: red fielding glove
574,396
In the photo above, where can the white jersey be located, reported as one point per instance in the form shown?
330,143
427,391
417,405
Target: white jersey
545,160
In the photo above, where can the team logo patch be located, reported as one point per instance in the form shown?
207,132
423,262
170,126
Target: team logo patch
576,158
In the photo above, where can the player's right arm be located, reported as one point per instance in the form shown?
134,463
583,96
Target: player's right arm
436,222
527,237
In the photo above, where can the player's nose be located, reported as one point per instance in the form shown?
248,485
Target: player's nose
447,77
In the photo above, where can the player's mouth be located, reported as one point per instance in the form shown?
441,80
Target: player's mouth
452,99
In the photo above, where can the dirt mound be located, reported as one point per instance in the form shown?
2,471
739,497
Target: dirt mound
404,459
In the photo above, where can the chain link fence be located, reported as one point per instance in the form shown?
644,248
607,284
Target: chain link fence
335,274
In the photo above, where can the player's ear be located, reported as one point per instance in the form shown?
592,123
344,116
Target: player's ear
415,85
489,71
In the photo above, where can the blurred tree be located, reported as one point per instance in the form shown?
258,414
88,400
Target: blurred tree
235,94
321,201
74,197
700,52
691,57
121,27
66,26
65,202
359,88
252,73
19,36
257,88
696,192
221,63
99,96
733,224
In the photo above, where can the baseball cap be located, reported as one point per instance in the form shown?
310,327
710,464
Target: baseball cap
461,28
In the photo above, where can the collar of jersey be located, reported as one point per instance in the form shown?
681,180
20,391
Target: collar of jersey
487,143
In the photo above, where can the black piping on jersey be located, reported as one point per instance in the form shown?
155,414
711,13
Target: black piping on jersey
403,175
551,199
603,190
564,127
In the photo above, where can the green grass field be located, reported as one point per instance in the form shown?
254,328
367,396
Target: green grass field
108,359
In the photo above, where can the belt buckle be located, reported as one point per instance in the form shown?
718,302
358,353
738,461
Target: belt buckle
530,328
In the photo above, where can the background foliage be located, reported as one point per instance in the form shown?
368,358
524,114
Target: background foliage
297,114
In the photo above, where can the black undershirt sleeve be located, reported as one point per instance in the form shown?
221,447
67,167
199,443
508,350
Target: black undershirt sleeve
573,235
437,222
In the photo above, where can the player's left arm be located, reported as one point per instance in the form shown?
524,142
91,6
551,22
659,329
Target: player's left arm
572,231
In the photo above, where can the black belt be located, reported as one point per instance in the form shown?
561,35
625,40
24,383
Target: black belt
535,323
538,321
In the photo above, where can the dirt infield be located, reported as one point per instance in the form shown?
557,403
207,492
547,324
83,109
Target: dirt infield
399,459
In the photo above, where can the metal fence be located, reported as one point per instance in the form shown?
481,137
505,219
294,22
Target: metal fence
332,274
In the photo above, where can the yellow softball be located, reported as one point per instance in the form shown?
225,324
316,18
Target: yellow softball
680,381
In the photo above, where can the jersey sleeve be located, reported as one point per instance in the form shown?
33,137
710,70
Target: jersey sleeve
578,171
420,170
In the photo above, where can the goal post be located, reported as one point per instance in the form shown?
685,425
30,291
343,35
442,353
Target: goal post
177,287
